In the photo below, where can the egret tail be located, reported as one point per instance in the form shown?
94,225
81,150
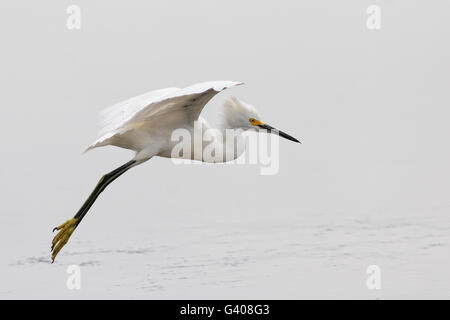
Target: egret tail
67,228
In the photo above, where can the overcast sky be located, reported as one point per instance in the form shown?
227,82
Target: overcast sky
370,106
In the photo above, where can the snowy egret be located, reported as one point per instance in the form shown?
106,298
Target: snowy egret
145,124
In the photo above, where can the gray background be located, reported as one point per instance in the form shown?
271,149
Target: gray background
369,185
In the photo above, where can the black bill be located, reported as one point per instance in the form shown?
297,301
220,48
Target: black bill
279,132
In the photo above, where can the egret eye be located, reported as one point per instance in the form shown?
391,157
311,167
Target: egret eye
252,121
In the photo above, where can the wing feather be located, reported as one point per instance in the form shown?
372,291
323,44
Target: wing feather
148,107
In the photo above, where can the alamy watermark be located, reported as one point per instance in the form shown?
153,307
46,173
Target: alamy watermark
73,21
374,280
373,21
74,279
230,146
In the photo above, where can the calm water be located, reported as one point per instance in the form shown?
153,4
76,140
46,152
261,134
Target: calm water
319,256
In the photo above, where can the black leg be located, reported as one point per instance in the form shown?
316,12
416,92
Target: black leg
67,228
102,184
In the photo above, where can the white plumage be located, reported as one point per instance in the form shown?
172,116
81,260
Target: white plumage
235,113
130,123
146,123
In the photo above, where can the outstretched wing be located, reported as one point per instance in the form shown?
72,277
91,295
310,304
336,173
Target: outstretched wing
183,105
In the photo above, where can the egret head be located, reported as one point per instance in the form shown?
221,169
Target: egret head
240,115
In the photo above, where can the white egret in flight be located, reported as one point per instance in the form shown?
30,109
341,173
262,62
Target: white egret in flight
145,124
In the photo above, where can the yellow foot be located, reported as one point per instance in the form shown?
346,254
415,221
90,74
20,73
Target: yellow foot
61,238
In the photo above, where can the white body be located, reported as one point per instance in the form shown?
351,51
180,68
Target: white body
145,123
148,125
